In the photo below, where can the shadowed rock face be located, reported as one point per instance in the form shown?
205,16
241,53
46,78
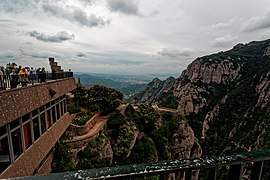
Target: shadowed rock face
154,88
185,145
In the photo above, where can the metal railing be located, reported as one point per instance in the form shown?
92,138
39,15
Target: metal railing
5,80
161,170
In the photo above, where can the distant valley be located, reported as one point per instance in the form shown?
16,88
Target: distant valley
126,84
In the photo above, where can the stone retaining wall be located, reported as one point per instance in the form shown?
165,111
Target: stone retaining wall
76,130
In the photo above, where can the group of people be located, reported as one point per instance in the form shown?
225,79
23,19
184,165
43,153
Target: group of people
21,75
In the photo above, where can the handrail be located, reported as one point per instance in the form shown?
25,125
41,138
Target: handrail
5,80
235,161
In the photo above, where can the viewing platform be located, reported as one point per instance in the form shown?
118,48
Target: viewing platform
34,79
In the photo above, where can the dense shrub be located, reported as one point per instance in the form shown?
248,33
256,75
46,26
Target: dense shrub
73,109
82,119
61,162
115,120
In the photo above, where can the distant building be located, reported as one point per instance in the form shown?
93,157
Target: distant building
32,119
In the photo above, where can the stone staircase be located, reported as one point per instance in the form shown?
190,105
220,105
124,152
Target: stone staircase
54,67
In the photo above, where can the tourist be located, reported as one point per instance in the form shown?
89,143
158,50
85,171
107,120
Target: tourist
32,75
18,69
14,78
23,77
1,80
38,72
43,75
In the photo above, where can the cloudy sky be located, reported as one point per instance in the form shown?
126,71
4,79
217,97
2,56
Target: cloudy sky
126,36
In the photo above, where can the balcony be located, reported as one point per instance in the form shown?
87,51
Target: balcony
234,164
34,79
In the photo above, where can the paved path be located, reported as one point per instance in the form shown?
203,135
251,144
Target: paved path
100,122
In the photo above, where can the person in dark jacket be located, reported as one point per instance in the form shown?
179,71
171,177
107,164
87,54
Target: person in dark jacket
14,79
43,75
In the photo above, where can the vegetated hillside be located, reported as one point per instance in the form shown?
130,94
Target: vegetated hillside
132,136
225,97
127,86
143,135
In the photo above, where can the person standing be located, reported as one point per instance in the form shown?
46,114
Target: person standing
38,72
23,77
32,75
1,80
13,79
43,75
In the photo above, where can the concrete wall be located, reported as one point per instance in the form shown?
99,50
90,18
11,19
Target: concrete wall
46,168
18,102
30,160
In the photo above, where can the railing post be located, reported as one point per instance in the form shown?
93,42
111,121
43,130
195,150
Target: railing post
212,173
257,170
235,172
163,176
188,175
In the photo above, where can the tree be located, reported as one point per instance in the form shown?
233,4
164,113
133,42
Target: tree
61,162
80,96
116,120
107,99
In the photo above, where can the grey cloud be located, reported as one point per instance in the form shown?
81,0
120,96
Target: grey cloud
172,52
128,62
224,41
75,15
257,23
80,54
58,37
120,61
39,54
5,20
87,2
123,6
16,6
7,55
28,43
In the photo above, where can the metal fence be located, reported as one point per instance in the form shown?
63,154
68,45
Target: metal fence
5,80
234,165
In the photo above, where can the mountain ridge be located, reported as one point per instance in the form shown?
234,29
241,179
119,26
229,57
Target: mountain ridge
220,94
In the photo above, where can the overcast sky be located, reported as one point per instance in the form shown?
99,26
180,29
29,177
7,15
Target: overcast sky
126,36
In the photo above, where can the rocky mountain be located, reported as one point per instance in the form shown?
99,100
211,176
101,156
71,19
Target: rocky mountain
225,97
154,89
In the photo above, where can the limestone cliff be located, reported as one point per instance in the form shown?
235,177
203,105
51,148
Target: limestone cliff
222,94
